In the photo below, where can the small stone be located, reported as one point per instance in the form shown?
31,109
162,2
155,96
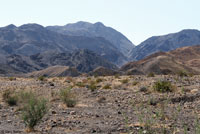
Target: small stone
194,90
72,113
93,131
53,112
51,84
143,89
119,112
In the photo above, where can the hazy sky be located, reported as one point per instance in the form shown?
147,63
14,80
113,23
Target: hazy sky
136,19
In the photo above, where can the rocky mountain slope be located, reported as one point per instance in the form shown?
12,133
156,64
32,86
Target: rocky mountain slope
96,30
165,43
30,39
82,60
186,59
56,71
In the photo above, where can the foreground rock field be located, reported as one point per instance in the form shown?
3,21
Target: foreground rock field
115,105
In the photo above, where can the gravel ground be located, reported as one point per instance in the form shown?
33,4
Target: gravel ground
131,106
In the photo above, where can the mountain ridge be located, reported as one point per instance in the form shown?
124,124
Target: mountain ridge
97,29
30,39
186,37
184,59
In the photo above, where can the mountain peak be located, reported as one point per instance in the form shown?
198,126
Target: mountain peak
186,37
31,26
11,26
98,29
189,31
99,24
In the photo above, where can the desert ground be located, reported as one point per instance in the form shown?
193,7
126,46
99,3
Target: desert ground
107,105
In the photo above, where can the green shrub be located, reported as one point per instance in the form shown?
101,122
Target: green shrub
135,83
163,86
33,111
68,97
124,81
117,76
12,100
151,74
143,89
80,84
182,74
41,78
92,86
6,94
12,78
99,80
24,97
107,86
10,97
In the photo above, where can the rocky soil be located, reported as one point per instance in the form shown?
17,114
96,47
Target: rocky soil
119,105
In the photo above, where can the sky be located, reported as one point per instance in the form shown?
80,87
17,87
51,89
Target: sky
136,19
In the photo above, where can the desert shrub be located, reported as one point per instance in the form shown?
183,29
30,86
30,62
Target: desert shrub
80,84
33,111
151,74
41,78
143,89
135,83
117,76
12,100
182,74
163,86
12,78
24,97
68,97
107,86
98,80
89,78
6,94
10,97
92,86
124,81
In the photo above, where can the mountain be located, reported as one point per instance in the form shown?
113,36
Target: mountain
165,43
96,30
82,60
30,39
55,71
185,59
102,71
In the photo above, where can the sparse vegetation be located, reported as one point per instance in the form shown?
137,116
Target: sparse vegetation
107,86
151,74
124,81
10,97
80,84
34,110
98,80
117,76
143,89
148,112
41,78
163,86
92,86
68,97
182,74
12,78
135,83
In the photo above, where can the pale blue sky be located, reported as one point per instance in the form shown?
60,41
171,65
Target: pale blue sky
136,19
